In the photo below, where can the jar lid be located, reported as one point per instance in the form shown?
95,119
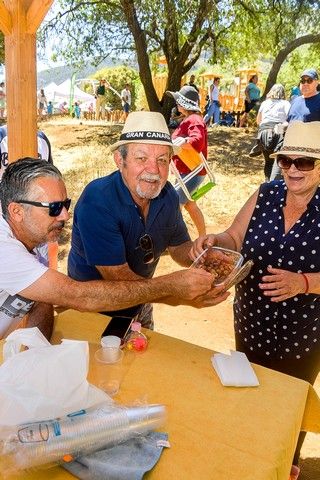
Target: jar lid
136,326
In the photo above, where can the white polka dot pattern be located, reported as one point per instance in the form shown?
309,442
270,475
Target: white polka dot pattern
287,329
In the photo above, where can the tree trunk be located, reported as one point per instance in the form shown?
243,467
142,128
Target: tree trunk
142,55
282,55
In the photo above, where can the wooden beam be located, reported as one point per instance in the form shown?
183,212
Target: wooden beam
21,85
5,19
21,80
36,13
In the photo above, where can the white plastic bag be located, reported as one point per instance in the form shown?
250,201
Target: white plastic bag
45,381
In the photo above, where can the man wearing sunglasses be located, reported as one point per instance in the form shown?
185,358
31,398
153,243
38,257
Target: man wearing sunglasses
124,222
276,308
34,210
306,107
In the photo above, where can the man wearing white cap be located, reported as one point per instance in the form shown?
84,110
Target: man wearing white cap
125,221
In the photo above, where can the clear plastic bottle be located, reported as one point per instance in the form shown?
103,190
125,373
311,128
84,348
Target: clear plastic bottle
135,340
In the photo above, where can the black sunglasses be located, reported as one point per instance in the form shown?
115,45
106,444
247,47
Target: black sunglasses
304,164
146,244
308,80
55,208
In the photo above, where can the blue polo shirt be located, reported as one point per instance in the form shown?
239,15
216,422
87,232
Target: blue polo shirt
107,226
305,109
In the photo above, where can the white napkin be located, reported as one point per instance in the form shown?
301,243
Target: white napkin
234,370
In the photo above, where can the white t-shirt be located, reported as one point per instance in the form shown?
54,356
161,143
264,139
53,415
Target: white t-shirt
274,110
126,94
214,93
19,269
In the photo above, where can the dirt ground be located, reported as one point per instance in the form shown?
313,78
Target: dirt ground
80,150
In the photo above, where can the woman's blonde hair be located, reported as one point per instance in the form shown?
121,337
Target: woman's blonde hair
277,91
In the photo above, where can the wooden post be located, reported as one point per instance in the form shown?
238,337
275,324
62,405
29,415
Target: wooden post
19,20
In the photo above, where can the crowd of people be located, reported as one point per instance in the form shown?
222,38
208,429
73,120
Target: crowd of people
125,221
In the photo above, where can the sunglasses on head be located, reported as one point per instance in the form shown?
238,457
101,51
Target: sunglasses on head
308,80
304,164
146,244
55,208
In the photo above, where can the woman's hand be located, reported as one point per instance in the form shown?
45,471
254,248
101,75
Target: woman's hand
201,244
282,284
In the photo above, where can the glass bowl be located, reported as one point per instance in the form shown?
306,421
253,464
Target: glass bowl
222,263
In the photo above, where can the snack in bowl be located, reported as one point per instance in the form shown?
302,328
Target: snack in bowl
222,263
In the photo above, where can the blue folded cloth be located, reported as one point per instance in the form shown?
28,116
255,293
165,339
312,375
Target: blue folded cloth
127,461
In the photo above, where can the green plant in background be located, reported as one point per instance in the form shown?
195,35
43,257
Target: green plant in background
118,77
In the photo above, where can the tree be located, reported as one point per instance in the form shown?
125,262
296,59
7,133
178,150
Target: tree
272,30
237,30
177,29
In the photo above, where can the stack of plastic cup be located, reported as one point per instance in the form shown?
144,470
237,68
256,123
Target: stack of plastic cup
76,434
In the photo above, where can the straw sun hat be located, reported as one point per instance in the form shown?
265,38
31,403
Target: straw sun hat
145,127
187,98
301,139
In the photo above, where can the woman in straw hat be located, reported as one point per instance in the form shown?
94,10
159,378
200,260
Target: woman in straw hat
276,308
191,130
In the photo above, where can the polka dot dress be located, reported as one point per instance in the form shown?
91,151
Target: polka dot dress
291,328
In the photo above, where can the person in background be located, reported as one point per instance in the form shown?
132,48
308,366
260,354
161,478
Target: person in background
305,107
214,106
191,130
175,118
63,108
124,222
252,97
100,95
77,110
50,109
34,211
126,99
192,84
44,148
295,92
272,113
2,99
276,308
42,103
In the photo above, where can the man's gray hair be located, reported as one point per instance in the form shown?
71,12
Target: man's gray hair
16,183
277,92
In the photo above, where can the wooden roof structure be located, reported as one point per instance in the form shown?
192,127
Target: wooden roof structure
19,21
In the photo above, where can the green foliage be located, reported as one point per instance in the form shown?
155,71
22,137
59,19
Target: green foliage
235,33
118,77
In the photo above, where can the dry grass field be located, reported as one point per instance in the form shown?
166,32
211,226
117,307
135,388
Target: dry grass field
81,151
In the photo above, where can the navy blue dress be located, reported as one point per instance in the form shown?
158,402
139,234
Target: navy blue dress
289,329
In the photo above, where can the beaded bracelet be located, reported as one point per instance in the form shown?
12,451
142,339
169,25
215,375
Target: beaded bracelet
307,282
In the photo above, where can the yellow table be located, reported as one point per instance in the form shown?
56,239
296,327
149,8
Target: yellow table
215,432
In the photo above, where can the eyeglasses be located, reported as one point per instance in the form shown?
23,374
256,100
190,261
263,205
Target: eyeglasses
306,80
304,164
55,208
146,244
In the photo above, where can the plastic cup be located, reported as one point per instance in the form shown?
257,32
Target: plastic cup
110,341
109,369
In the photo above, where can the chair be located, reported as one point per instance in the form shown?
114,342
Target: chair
195,161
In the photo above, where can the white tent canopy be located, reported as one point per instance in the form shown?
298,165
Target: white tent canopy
63,91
